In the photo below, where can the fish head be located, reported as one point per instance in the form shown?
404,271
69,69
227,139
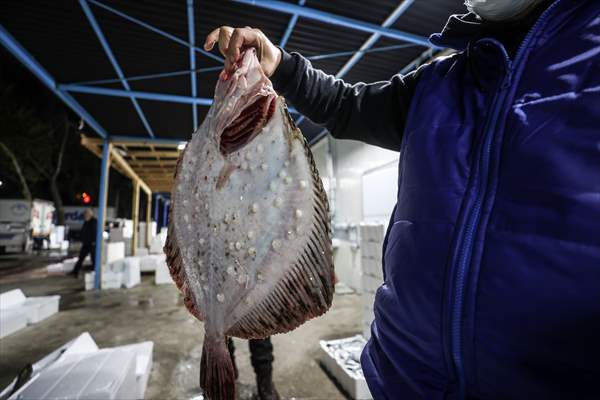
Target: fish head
244,103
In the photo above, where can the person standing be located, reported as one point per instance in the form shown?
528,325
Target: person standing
88,240
492,256
261,358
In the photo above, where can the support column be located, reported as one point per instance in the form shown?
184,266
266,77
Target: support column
102,196
148,219
135,210
156,202
166,205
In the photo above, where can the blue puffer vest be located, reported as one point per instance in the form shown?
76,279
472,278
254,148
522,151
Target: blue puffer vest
492,256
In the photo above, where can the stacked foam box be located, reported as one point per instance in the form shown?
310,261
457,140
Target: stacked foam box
341,357
120,273
371,243
161,274
157,243
113,251
150,263
131,273
16,310
80,370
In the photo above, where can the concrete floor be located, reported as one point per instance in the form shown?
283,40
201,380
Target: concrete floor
149,312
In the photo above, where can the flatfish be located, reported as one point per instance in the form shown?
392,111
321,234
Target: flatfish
249,241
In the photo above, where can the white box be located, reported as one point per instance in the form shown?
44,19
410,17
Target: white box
114,251
141,251
345,366
11,321
151,262
143,366
102,375
131,275
157,243
162,274
11,298
40,308
88,279
371,284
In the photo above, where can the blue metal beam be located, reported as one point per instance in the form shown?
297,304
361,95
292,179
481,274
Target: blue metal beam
426,55
368,44
92,20
102,195
136,94
338,20
157,198
389,21
165,216
149,76
192,40
15,48
172,98
352,52
290,27
154,29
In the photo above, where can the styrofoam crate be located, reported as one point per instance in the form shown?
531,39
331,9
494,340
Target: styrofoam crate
352,380
372,267
371,283
11,298
114,251
40,308
131,273
102,375
88,279
141,251
143,352
157,243
11,321
162,274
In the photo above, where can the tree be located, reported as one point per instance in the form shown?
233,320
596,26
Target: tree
34,147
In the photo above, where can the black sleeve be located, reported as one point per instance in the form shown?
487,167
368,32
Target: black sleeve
373,113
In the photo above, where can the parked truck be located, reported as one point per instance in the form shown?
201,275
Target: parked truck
20,222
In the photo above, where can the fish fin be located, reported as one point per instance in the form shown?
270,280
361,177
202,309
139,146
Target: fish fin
217,373
175,264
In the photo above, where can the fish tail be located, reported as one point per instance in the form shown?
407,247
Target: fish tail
217,374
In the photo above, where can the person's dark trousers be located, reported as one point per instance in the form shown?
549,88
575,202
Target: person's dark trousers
261,358
85,250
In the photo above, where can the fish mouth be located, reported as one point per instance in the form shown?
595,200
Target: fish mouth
248,124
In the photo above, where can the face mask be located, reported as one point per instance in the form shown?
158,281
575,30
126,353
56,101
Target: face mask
500,10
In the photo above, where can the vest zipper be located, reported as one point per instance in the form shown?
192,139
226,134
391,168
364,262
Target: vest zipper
465,244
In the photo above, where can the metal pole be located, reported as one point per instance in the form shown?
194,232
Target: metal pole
165,215
102,196
113,60
157,198
334,19
192,39
148,219
135,208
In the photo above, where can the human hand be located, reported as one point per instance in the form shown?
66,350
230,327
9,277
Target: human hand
232,41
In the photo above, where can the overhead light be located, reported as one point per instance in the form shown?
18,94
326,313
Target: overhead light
181,145
1,183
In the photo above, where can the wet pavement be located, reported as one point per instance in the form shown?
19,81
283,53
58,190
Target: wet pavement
149,312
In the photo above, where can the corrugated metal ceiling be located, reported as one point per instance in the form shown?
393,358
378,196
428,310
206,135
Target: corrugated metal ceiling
59,36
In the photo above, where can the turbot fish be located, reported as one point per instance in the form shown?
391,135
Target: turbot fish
249,240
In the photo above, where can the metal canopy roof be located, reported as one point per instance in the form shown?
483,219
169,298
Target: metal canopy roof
137,69
145,161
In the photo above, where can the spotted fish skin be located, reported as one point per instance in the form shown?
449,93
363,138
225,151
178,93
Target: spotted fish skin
249,237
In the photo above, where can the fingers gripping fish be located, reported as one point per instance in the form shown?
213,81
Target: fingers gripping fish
249,236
